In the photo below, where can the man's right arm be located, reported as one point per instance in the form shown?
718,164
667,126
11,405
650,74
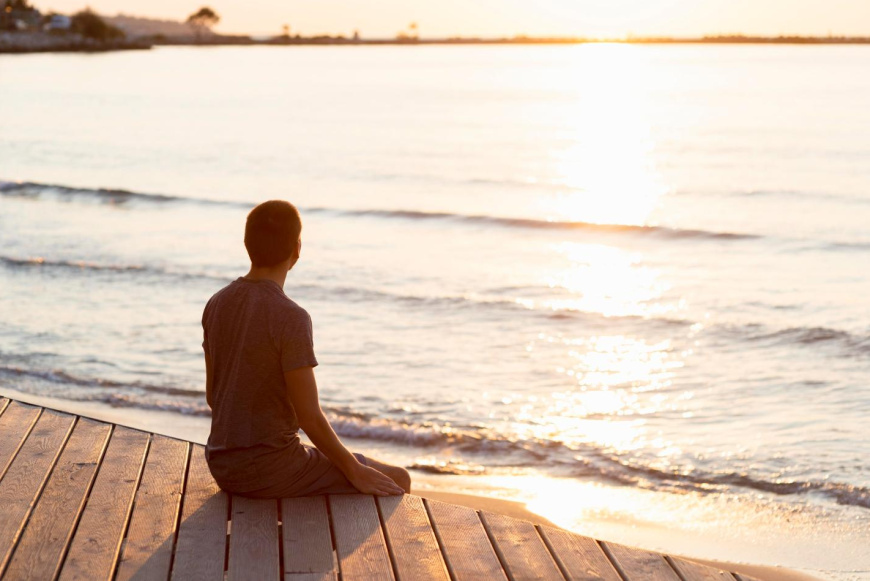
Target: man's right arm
302,388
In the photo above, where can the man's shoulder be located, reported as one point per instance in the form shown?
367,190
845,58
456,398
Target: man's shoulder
216,297
294,311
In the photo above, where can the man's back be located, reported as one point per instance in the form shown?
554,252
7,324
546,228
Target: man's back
253,333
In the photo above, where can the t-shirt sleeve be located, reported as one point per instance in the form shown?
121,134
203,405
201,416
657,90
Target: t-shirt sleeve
297,343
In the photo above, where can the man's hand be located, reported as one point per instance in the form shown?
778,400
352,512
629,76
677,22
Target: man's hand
369,481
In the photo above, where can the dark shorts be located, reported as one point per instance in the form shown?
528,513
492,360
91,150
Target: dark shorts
307,472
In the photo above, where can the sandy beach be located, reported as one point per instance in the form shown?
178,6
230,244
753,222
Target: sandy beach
426,485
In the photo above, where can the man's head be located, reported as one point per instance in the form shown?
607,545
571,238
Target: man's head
272,233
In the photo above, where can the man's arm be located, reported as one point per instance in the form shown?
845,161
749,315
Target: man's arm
302,388
209,381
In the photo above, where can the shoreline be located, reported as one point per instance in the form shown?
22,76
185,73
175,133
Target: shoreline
195,429
34,43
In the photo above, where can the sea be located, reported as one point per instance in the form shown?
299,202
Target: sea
627,285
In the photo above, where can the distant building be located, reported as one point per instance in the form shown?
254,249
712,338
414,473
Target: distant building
58,22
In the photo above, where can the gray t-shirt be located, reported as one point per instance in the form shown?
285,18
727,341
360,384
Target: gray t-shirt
253,333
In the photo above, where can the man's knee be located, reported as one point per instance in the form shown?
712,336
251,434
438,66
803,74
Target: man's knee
401,477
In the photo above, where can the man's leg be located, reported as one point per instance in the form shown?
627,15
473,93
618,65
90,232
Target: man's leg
399,475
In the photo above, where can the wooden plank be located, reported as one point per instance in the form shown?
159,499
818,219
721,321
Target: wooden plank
640,565
93,551
520,548
744,577
148,550
15,424
43,544
690,571
411,539
202,533
26,476
307,540
4,401
579,557
359,541
467,551
254,540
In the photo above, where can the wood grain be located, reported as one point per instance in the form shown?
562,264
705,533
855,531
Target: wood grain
93,551
254,540
306,539
640,565
15,424
148,550
467,550
359,541
580,557
411,539
44,542
26,476
520,548
202,532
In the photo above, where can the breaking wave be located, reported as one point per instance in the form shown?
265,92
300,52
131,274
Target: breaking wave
475,449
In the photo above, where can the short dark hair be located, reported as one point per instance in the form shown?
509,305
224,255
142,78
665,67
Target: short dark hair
271,232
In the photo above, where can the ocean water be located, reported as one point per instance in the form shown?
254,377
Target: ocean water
625,281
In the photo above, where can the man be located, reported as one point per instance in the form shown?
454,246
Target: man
259,361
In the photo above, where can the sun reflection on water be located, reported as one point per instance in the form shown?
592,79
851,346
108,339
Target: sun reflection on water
607,280
607,164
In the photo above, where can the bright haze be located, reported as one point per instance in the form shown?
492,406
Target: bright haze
489,18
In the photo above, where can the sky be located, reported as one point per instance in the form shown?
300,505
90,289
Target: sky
492,18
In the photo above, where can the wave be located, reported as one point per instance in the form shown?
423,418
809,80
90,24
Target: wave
344,292
660,231
111,196
68,264
118,197
478,449
83,266
774,193
62,377
853,344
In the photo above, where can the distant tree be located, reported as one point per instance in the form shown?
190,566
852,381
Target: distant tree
19,5
90,25
285,31
202,21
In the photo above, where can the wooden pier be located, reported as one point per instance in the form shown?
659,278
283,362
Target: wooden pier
92,500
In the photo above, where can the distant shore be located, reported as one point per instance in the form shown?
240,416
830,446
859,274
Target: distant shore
22,42
35,42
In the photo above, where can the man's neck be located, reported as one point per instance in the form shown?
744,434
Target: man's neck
279,275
